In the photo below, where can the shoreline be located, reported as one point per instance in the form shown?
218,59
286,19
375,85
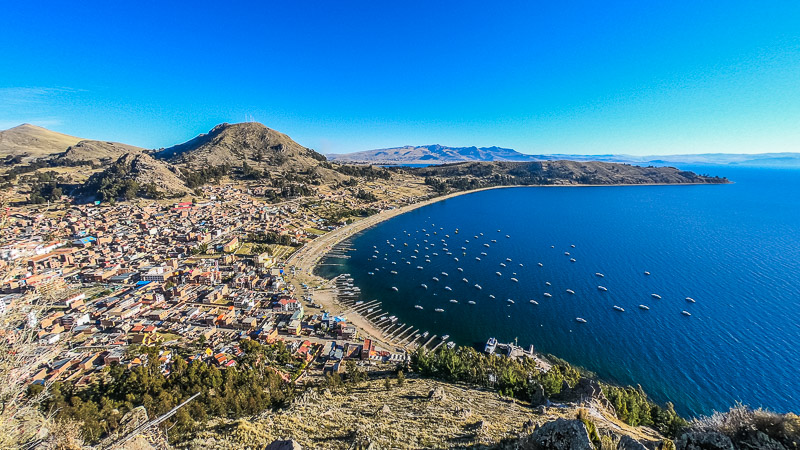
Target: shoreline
306,259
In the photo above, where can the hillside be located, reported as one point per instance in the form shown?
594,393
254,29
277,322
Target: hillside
463,176
431,154
29,142
261,148
136,175
95,153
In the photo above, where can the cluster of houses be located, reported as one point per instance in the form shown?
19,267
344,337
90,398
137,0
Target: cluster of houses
123,275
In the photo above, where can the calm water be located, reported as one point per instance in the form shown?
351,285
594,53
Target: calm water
734,248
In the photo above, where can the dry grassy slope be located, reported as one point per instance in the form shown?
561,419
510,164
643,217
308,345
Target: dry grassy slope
403,417
145,169
33,142
97,152
254,143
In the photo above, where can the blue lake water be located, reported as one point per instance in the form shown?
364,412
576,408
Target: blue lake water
734,248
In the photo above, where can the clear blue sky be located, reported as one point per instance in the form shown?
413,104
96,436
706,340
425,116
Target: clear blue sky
541,77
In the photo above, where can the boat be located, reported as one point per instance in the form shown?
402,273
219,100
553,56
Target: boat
510,301
573,245
427,260
456,259
602,288
599,274
445,337
435,279
483,253
420,267
566,253
492,296
465,280
370,273
418,307
580,319
477,259
619,308
534,302
445,274
570,291
540,264
486,245
547,283
448,288
451,345
646,272
690,299
425,334
502,264
476,236
452,300
424,285
460,269
478,287
393,272
471,302
491,345
439,310
394,289
686,313
655,296
547,294
514,280
645,307
508,236
508,259
463,248
498,274
572,259
520,264
494,241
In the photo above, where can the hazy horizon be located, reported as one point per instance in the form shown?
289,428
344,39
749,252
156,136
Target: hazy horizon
584,78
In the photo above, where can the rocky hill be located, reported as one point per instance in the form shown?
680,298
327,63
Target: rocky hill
30,142
95,153
431,154
134,175
253,144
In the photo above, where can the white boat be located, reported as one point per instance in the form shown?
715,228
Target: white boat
502,264
602,288
435,279
460,269
452,300
498,274
494,241
492,296
510,301
451,345
690,299
424,285
645,307
456,259
572,259
566,253
686,313
463,248
445,274
599,274
448,288
534,302
439,310
547,294
425,334
514,280
471,302
491,345
465,280
573,245
540,264
477,259
418,307
394,289
570,291
656,296
370,273
486,245
580,319
547,283
393,272
476,236
619,308
445,337
508,259
478,287
646,272
508,236
420,267
520,264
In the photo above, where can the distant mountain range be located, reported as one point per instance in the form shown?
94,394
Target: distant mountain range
440,154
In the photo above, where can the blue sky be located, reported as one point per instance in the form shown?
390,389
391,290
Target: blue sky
540,77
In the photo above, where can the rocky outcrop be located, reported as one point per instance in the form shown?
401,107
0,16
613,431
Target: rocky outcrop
704,441
629,443
560,434
283,444
757,440
98,153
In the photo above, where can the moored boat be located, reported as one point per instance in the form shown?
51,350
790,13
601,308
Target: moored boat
619,308
645,307
602,288
580,319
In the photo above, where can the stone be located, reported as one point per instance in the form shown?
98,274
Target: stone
437,394
283,444
757,440
629,443
560,434
704,441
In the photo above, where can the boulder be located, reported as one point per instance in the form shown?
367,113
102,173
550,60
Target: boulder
704,441
560,434
628,443
753,440
437,394
283,444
